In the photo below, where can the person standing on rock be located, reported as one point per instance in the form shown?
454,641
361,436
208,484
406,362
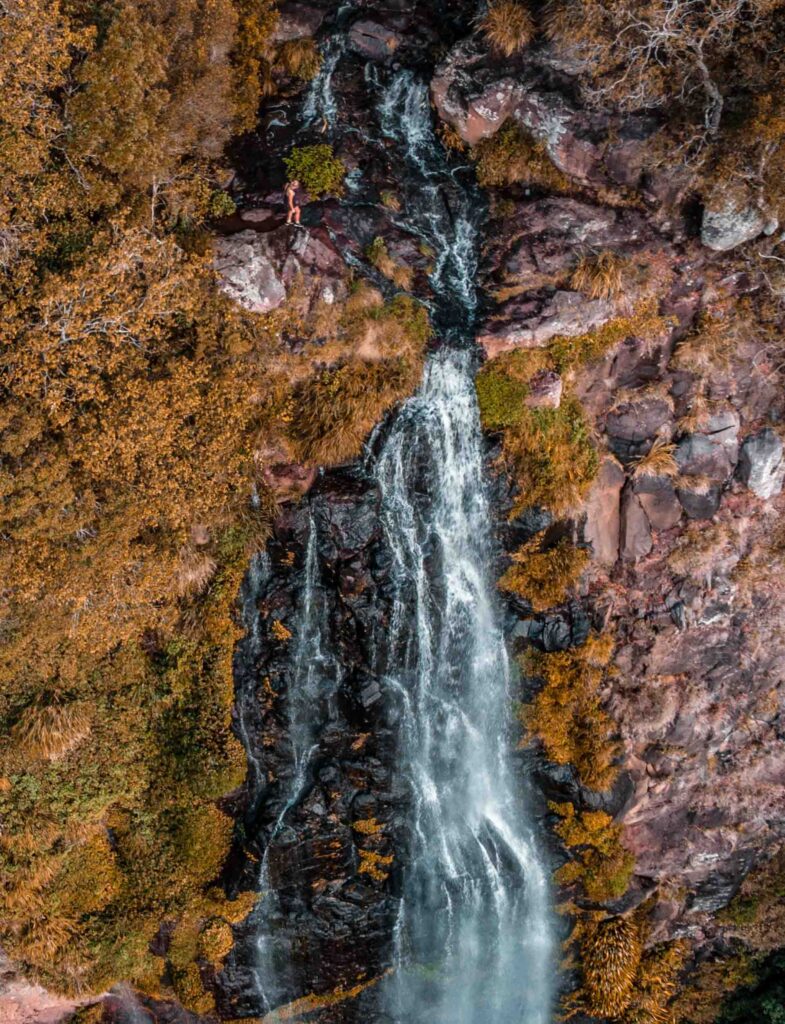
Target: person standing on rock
293,212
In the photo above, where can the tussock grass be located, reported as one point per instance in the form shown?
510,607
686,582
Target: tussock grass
511,156
508,26
611,955
658,461
451,138
50,730
552,457
599,276
400,275
567,714
300,58
336,408
194,571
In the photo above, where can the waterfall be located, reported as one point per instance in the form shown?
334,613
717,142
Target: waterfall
247,653
474,942
314,680
320,108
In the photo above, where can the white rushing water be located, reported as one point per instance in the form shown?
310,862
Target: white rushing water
474,941
314,674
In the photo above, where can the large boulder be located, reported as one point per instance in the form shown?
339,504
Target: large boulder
698,455
761,465
475,100
635,538
259,269
632,425
540,240
699,496
728,225
531,321
565,133
372,40
246,272
658,499
296,21
603,521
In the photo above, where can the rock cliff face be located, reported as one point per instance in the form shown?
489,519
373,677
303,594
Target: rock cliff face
685,551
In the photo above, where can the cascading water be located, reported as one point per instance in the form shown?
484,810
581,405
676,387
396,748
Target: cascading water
473,940
314,678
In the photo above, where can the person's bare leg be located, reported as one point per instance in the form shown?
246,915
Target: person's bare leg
297,214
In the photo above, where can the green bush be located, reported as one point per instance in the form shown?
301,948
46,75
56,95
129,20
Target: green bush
500,398
317,168
221,204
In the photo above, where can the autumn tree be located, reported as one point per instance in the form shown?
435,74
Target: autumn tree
649,54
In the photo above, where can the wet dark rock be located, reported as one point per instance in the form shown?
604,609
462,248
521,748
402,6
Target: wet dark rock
560,784
698,455
554,631
633,425
716,891
701,500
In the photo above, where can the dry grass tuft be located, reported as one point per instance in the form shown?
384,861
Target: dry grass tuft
507,26
451,138
552,457
611,955
300,58
194,571
49,731
658,461
336,409
599,276
391,200
400,275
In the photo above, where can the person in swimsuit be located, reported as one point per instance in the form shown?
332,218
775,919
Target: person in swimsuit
293,212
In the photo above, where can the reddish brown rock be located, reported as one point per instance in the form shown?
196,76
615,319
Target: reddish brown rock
289,480
373,40
563,313
296,21
602,508
658,499
635,539
22,1002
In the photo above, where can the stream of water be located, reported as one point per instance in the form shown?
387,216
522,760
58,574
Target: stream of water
473,941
